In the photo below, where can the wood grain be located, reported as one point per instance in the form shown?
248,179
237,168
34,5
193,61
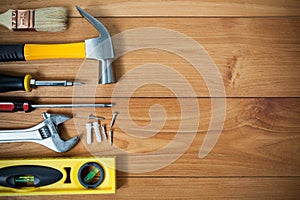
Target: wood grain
255,46
169,8
195,188
260,136
254,57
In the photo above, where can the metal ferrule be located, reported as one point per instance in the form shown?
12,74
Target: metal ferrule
23,19
35,83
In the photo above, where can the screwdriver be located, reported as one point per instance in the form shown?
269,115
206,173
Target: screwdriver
26,83
28,107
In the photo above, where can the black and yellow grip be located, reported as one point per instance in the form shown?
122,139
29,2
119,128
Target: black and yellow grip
15,83
25,52
12,53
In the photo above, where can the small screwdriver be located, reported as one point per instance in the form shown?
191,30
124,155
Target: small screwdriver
26,83
28,107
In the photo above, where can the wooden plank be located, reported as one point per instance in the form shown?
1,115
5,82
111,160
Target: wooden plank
170,8
260,136
256,57
195,188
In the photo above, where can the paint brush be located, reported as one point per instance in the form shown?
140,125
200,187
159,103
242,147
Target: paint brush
50,19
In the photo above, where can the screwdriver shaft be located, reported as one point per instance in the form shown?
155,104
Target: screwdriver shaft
99,105
36,83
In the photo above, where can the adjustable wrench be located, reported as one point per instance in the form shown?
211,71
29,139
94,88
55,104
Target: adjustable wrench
45,133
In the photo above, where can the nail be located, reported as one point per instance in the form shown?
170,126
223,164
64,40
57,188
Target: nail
95,117
113,119
110,137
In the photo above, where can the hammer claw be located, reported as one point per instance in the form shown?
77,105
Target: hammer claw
104,34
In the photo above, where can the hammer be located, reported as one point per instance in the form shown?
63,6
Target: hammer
99,48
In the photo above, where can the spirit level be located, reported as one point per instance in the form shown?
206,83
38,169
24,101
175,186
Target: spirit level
57,176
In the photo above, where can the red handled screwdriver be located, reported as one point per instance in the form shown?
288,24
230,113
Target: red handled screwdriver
28,107
26,83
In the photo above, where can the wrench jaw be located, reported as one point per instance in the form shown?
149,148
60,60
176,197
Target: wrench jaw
55,118
58,145
49,133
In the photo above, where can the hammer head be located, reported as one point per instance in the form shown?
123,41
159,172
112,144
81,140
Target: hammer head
100,48
50,135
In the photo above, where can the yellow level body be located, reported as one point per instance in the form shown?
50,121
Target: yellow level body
73,186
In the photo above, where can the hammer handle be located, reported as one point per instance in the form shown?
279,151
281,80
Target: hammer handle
41,51
12,53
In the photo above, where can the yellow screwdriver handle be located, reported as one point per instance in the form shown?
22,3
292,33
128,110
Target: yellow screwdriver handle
52,51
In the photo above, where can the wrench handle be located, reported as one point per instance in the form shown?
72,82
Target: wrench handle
25,135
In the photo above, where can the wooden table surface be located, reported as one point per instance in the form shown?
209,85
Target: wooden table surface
160,96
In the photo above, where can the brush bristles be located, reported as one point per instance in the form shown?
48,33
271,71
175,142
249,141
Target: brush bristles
52,19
